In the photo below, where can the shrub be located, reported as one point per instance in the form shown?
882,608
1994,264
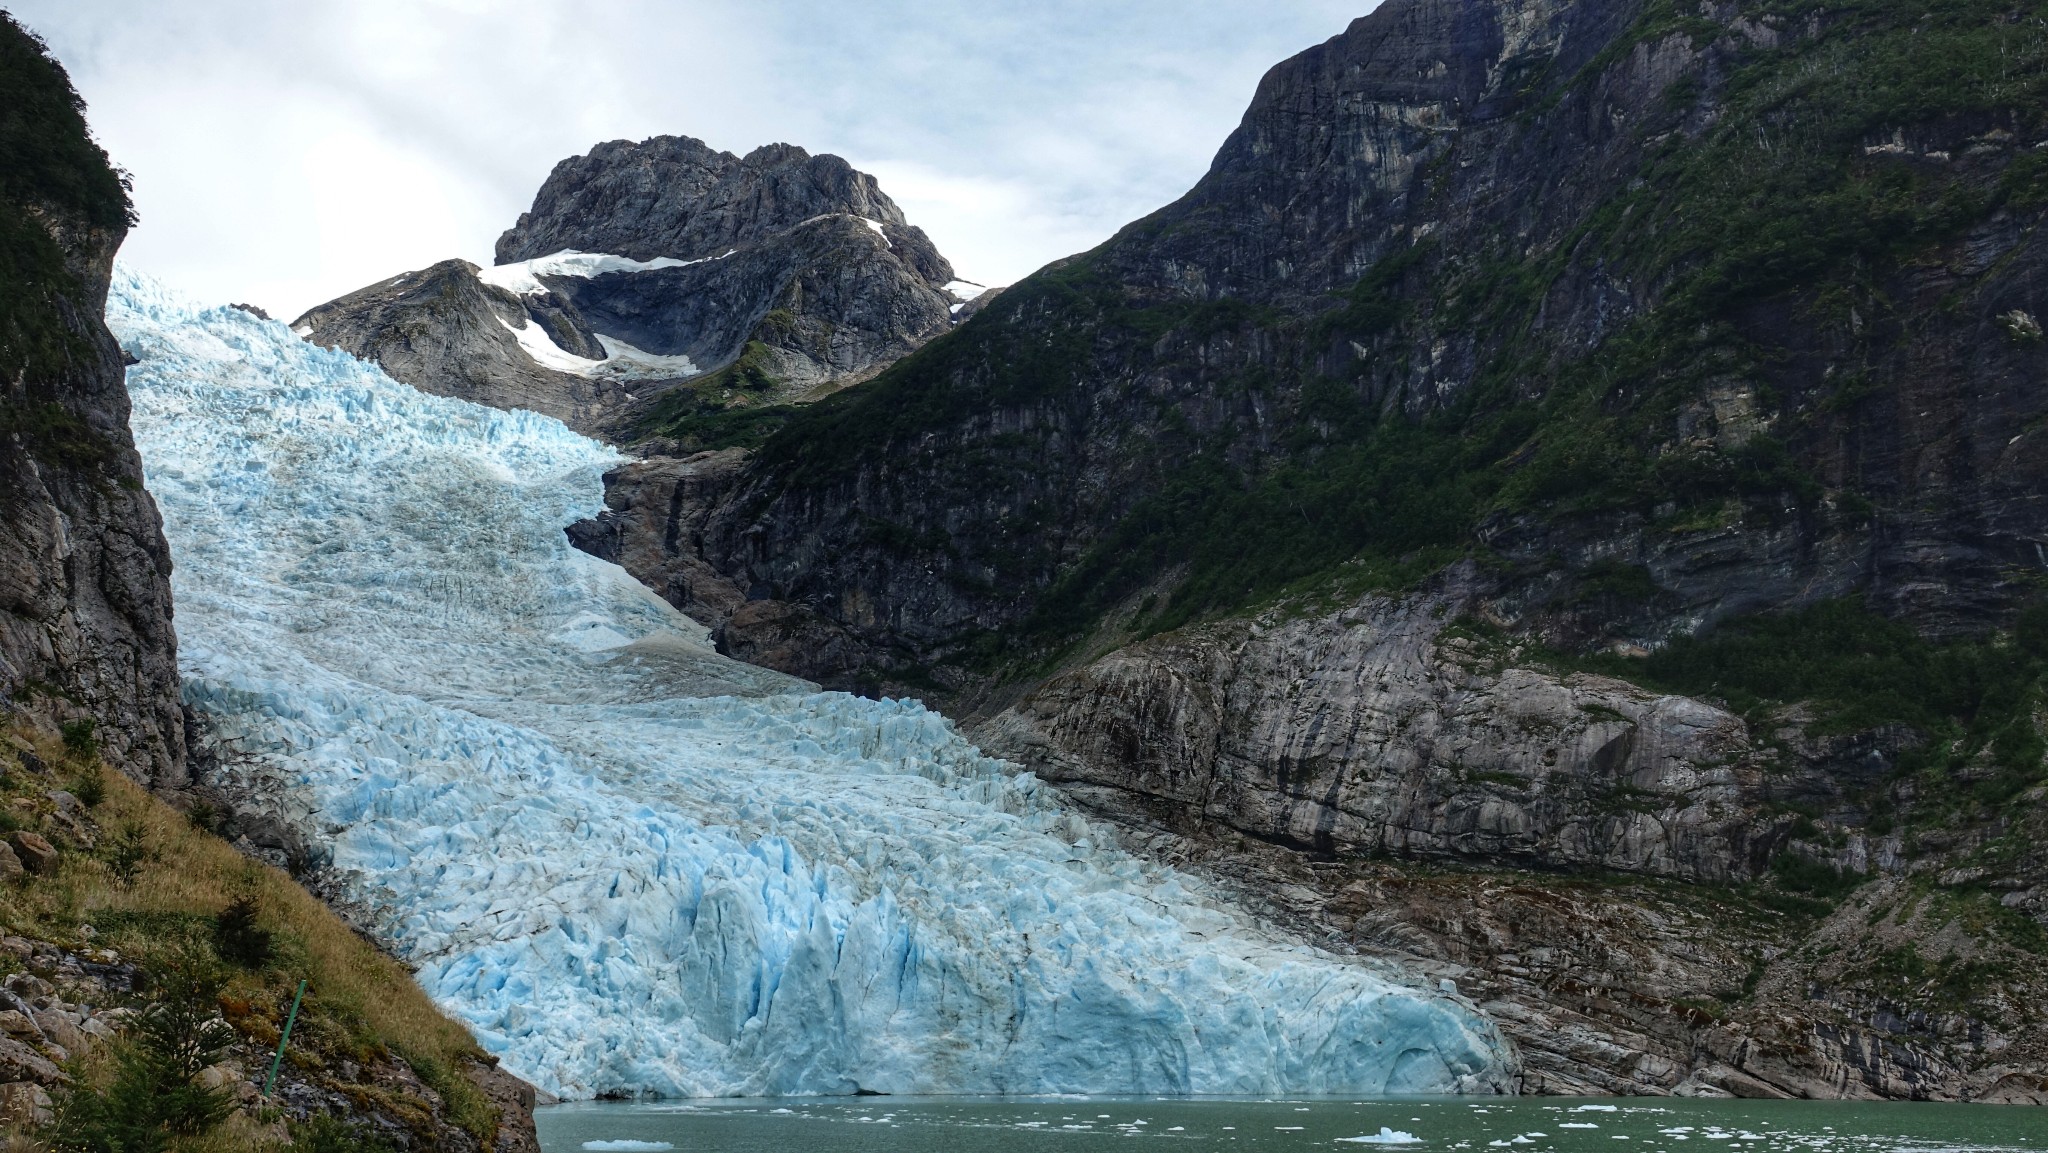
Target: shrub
128,851
154,1095
238,938
79,738
91,787
328,1134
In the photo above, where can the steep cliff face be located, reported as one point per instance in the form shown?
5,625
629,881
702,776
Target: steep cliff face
1590,288
1597,440
85,605
723,284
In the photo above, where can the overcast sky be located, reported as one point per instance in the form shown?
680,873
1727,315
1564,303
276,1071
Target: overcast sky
288,151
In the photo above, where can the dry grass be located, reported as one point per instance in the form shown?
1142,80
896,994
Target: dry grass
360,1003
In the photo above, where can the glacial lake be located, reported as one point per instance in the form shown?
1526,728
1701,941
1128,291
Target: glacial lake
1514,1125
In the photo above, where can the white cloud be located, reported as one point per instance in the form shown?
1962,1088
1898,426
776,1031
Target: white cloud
287,153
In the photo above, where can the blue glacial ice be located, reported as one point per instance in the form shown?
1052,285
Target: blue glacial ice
630,864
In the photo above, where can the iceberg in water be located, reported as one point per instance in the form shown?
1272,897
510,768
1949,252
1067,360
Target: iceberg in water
630,864
1385,1136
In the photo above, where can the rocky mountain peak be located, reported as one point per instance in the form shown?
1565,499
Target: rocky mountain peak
675,196
660,281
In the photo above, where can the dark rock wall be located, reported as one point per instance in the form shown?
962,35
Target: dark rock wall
984,486
85,602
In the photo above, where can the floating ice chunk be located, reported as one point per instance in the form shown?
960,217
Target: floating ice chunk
1577,1125
627,1145
522,276
1596,1109
1387,1136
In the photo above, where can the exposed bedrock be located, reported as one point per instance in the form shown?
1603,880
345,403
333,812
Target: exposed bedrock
1371,730
85,601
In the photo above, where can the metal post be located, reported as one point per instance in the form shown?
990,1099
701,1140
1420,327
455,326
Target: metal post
284,1040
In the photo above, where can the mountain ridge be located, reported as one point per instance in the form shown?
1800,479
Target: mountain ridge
1520,374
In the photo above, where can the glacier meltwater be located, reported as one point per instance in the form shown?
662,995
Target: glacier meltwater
631,865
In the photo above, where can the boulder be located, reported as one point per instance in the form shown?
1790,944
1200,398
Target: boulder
25,1103
37,855
62,1029
18,1062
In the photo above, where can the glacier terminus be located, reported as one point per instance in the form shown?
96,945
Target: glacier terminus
631,865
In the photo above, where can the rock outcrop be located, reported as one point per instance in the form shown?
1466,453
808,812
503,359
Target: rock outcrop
443,330
1381,730
85,601
739,281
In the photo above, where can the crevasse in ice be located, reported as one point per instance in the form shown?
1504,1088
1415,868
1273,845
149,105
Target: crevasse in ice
632,865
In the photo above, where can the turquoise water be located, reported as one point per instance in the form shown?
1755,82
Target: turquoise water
1525,1125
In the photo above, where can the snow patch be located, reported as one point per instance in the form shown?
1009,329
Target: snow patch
622,361
632,865
523,276
965,290
879,231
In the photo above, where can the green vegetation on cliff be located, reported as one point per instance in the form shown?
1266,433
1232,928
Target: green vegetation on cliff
51,174
1784,201
49,167
1965,708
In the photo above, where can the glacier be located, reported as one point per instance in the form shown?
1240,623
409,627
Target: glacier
631,865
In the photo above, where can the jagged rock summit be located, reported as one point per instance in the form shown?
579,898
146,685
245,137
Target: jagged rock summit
664,277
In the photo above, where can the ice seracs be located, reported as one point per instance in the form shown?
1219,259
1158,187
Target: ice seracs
632,865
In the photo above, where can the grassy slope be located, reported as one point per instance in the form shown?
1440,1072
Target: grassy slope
360,1004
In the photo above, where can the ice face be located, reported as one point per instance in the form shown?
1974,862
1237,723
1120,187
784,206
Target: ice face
632,865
